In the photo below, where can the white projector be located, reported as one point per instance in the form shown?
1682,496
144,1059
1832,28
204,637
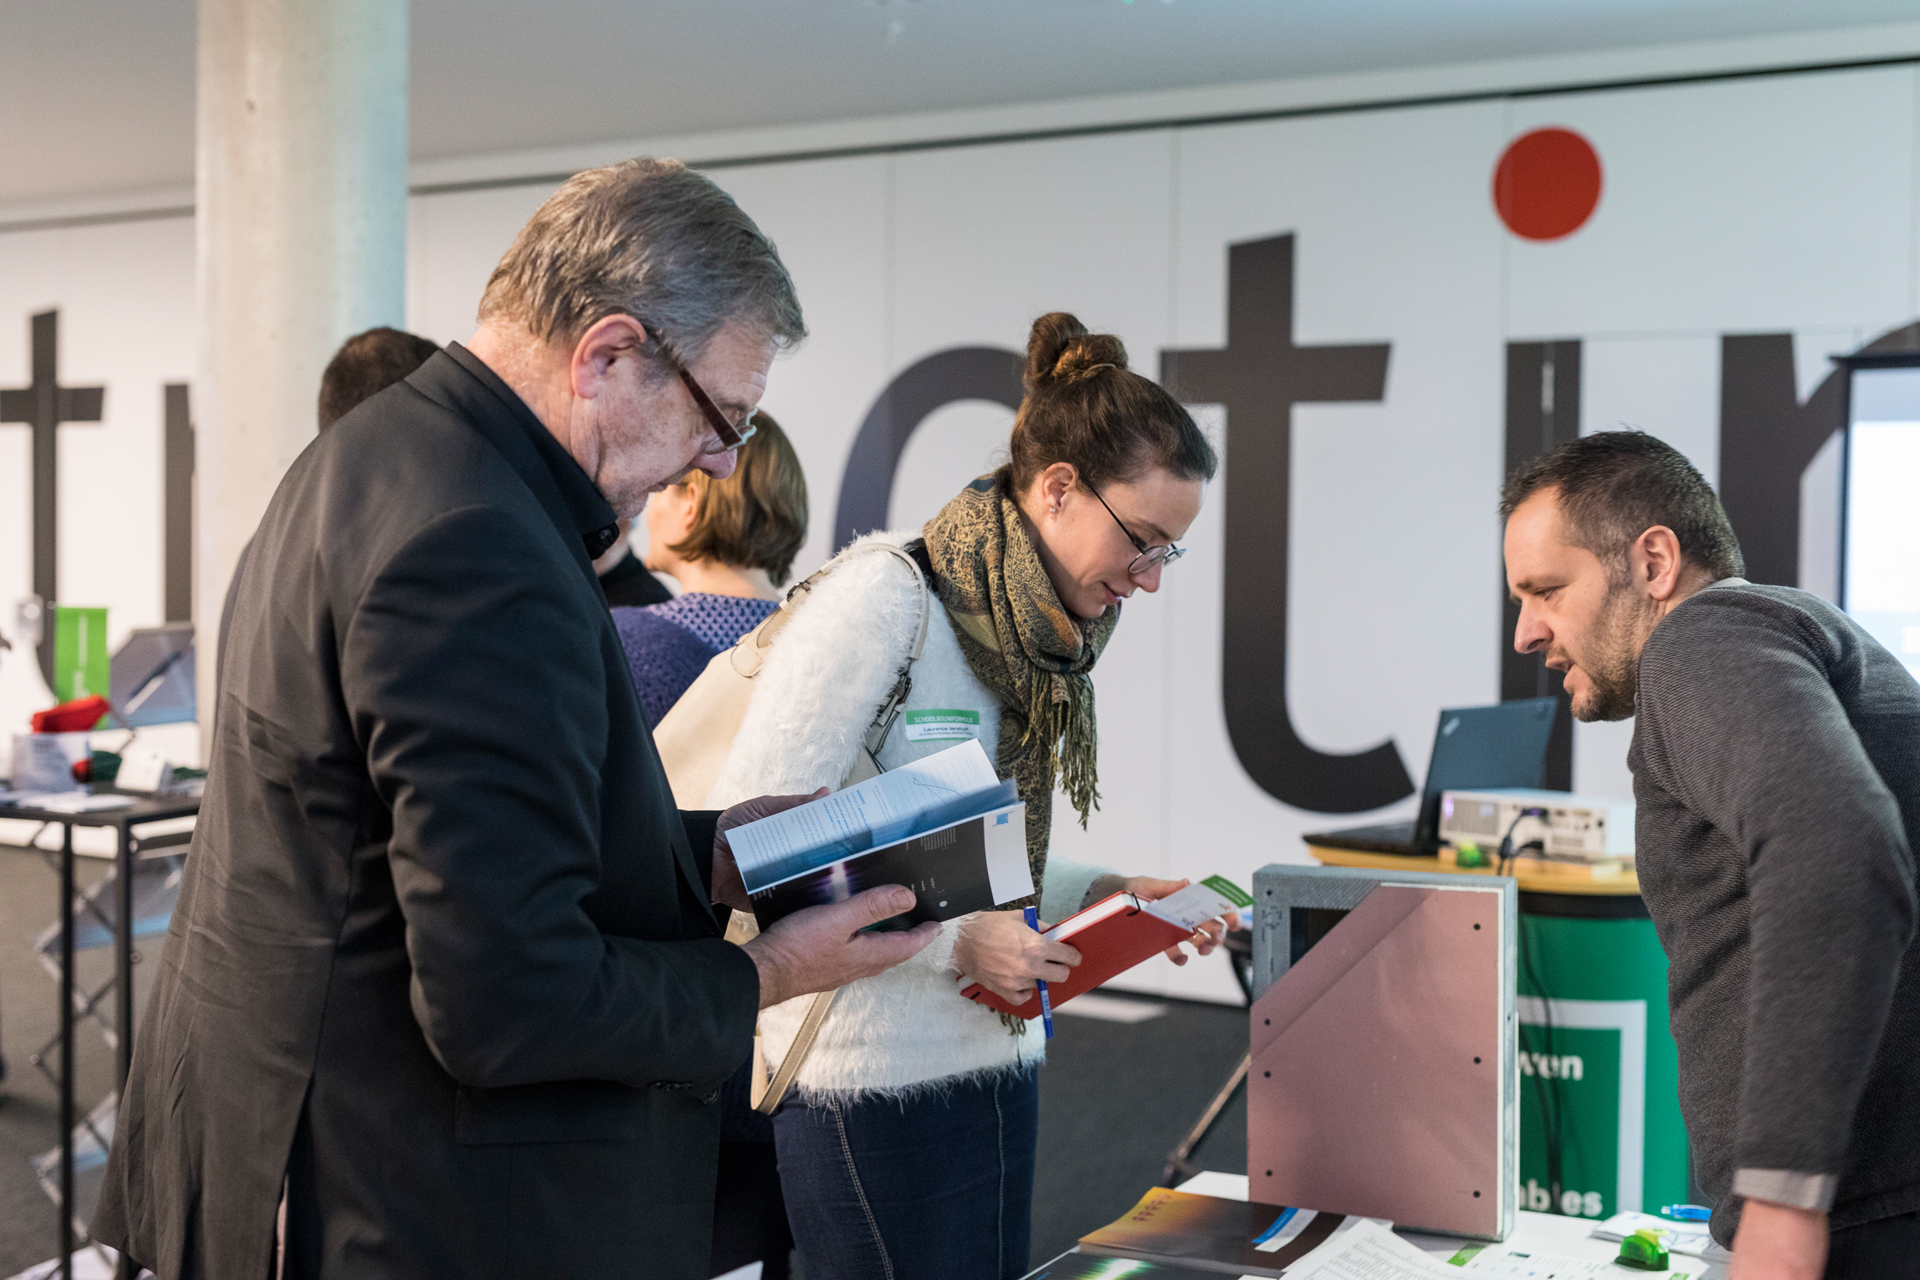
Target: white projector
1578,827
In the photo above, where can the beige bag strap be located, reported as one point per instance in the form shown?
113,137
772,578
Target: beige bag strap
767,1095
746,657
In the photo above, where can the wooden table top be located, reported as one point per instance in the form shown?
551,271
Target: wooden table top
1534,875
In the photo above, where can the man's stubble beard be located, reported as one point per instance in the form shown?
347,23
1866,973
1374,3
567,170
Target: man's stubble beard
1612,663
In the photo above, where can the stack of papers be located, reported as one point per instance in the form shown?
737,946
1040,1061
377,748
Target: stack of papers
64,801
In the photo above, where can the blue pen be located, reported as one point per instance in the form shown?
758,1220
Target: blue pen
1046,1001
1688,1212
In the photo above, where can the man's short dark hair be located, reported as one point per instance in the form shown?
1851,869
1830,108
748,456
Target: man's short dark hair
366,363
1616,485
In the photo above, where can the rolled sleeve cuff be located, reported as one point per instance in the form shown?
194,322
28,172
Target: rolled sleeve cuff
1786,1186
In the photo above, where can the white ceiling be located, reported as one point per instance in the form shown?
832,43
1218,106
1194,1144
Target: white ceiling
97,95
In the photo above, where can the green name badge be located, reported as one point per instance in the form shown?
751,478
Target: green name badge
941,725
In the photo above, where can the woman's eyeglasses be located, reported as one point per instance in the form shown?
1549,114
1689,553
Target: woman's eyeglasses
1149,555
732,435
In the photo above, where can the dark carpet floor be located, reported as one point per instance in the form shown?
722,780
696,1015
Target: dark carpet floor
1114,1097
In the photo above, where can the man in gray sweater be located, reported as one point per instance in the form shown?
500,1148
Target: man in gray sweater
1776,766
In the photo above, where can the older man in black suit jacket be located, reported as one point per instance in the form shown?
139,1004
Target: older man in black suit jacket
446,965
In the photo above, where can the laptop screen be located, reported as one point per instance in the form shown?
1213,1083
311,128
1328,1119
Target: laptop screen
1504,745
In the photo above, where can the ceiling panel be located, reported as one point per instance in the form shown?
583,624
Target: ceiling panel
97,95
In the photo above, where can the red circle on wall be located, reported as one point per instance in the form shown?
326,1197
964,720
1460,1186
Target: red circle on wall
1547,184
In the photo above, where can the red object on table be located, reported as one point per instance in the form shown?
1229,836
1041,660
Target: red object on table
1112,936
72,717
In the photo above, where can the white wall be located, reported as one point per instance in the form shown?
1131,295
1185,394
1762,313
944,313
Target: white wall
1772,204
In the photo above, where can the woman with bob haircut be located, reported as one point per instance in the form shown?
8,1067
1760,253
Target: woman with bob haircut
730,545
906,1146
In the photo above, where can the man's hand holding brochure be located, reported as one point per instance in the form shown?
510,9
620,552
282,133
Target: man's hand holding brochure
816,950
944,826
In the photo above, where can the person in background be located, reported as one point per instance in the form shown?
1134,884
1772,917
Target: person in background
907,1143
730,544
1776,773
366,364
624,579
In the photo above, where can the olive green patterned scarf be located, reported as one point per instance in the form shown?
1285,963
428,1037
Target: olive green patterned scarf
1023,644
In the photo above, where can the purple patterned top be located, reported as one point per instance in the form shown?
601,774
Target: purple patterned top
669,645
719,621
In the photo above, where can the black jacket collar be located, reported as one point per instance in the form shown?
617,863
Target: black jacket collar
586,507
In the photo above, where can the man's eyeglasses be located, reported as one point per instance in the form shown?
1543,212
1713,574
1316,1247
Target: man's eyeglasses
1149,555
732,435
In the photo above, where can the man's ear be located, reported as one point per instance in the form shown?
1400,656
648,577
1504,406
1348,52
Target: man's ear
600,350
1657,564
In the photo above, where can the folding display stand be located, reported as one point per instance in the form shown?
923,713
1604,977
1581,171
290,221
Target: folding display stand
124,906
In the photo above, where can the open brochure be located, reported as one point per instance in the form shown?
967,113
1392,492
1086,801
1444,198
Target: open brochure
945,826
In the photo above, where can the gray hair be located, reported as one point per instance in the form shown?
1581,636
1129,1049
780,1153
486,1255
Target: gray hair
650,239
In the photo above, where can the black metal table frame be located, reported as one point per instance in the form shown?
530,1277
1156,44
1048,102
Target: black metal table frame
142,812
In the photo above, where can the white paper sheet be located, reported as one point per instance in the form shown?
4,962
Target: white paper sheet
1369,1251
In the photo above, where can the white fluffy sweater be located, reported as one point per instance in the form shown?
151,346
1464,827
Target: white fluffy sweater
835,662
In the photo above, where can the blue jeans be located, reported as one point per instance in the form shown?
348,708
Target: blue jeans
934,1187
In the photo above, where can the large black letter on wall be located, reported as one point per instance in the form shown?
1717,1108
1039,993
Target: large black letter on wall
1259,377
178,503
1543,410
963,373
43,406
1768,438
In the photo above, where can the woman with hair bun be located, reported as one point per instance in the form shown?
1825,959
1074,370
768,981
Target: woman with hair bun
906,1146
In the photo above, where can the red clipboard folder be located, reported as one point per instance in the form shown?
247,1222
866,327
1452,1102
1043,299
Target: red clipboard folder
1112,936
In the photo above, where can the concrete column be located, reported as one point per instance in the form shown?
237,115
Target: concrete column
301,173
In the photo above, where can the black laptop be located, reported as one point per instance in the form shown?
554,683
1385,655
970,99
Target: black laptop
1474,747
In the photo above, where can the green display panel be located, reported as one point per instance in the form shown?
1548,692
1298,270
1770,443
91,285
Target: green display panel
1598,1071
80,657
